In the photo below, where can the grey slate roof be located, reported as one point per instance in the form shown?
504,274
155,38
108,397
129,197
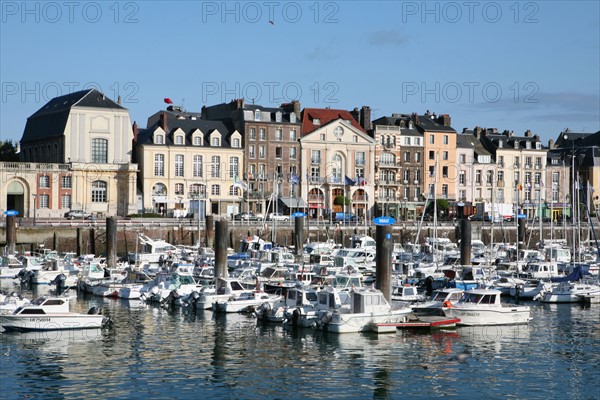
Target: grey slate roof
50,120
183,120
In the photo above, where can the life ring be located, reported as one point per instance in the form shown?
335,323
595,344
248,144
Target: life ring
447,304
407,285
249,238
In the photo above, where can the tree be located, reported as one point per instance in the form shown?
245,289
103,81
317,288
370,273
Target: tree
8,151
341,201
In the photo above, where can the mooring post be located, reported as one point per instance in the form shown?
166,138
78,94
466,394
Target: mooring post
221,239
209,230
11,234
111,242
299,236
383,260
92,239
465,242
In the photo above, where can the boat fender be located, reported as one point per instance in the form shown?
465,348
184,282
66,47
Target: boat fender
447,304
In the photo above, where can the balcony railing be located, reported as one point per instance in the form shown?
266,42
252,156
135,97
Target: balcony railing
315,160
27,166
316,197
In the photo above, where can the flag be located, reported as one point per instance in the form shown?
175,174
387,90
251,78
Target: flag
361,181
520,187
348,181
168,100
295,179
239,183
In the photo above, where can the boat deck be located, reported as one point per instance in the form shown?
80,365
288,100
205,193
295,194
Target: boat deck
422,322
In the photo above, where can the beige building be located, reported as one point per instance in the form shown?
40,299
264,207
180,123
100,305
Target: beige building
337,158
75,155
189,165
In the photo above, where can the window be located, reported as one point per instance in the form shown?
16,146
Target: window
489,176
462,177
278,153
216,167
179,139
360,158
44,181
463,159
251,151
500,176
445,139
322,137
257,115
214,142
431,170
360,172
355,139
292,153
235,143
315,173
315,156
517,161
197,166
293,134
100,151
65,201
537,179
234,166
234,190
538,162
159,139
196,189
179,188
262,135
417,157
417,141
555,179
445,191
197,141
159,165
215,190
293,118
407,141
445,171
500,194
406,175
528,162
501,160
44,201
445,155
407,156
417,175
252,133
179,165
431,139
527,177
98,192
386,159
538,145
261,151
66,182
431,155
462,194
478,176
278,135
554,195
278,116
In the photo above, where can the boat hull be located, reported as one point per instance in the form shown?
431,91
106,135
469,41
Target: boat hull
51,322
482,317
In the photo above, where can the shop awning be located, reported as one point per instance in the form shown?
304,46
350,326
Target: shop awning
293,202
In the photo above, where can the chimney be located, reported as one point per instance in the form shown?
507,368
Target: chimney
415,118
477,132
528,133
444,119
356,115
296,108
365,118
134,128
551,144
119,100
163,120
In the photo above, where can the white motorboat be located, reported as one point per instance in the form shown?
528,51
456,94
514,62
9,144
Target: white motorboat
227,288
406,294
440,299
483,307
51,313
367,308
10,303
570,292
245,302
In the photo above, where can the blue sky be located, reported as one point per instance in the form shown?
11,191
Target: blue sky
505,64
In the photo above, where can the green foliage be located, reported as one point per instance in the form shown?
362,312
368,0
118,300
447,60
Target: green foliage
341,201
442,204
8,151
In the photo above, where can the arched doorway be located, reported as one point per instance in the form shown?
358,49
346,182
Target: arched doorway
359,203
316,203
15,197
159,199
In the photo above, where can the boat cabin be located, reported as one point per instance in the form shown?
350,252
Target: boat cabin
44,305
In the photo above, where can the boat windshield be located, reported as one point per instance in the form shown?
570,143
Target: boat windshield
471,298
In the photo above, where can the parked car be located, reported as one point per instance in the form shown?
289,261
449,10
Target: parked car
77,214
345,217
246,217
278,217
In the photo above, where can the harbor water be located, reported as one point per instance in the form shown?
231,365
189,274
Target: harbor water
150,352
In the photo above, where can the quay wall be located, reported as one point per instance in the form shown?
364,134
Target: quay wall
88,239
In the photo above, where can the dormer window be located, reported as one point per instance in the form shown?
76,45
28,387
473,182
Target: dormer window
235,143
410,125
215,142
316,121
179,139
528,145
500,144
516,144
278,116
257,115
293,118
197,141
159,139
538,145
